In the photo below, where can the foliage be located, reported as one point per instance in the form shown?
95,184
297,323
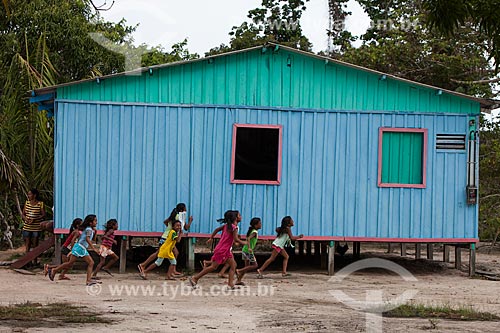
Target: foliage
489,182
398,43
463,313
158,55
339,39
448,16
276,20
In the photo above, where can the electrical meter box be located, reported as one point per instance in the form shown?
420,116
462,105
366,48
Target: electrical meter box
471,195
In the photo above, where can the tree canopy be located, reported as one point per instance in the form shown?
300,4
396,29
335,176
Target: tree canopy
275,20
399,43
449,16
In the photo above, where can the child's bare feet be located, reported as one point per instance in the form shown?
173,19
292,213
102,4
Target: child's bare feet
193,282
222,276
259,274
238,275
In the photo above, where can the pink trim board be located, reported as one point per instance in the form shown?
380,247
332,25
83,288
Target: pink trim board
233,153
424,158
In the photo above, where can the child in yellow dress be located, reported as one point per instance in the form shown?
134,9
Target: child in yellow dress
167,252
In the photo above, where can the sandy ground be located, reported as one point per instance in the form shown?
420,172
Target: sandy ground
300,303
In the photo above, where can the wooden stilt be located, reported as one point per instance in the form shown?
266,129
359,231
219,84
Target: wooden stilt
123,254
446,253
190,253
458,257
331,258
418,250
324,248
390,248
317,250
308,248
403,249
356,249
57,250
301,248
430,251
472,259
324,255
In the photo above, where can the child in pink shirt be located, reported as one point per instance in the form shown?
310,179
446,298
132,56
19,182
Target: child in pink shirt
223,250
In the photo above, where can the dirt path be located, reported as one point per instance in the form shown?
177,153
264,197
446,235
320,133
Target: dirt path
300,303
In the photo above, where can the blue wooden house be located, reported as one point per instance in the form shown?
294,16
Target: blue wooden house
350,153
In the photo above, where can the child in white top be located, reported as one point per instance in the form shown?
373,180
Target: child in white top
284,239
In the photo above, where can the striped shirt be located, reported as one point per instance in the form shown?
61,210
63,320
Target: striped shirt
33,212
107,241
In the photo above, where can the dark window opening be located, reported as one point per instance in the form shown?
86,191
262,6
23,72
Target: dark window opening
256,154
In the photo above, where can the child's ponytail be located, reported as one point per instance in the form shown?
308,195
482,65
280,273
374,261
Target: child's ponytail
179,208
285,223
76,223
253,222
229,217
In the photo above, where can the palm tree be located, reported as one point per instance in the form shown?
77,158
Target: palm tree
26,135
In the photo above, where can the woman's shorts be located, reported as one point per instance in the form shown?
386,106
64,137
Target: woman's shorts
105,251
31,234
79,251
249,256
65,251
277,248
159,261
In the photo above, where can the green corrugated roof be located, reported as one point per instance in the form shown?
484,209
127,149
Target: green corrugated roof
273,76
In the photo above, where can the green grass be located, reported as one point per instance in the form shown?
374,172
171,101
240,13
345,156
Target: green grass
466,313
35,314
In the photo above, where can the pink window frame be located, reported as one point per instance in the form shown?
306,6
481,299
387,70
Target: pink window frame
233,155
424,157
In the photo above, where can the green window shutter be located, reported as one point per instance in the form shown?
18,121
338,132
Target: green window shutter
402,157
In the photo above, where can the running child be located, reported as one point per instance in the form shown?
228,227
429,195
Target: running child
167,252
74,233
223,250
79,250
205,263
283,239
105,249
174,215
247,251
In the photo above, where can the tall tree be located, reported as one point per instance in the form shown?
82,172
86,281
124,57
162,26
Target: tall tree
399,43
489,181
276,20
339,39
448,16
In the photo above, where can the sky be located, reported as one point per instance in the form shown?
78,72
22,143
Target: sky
206,24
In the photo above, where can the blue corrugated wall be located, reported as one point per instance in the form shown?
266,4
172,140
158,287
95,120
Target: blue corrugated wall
135,162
